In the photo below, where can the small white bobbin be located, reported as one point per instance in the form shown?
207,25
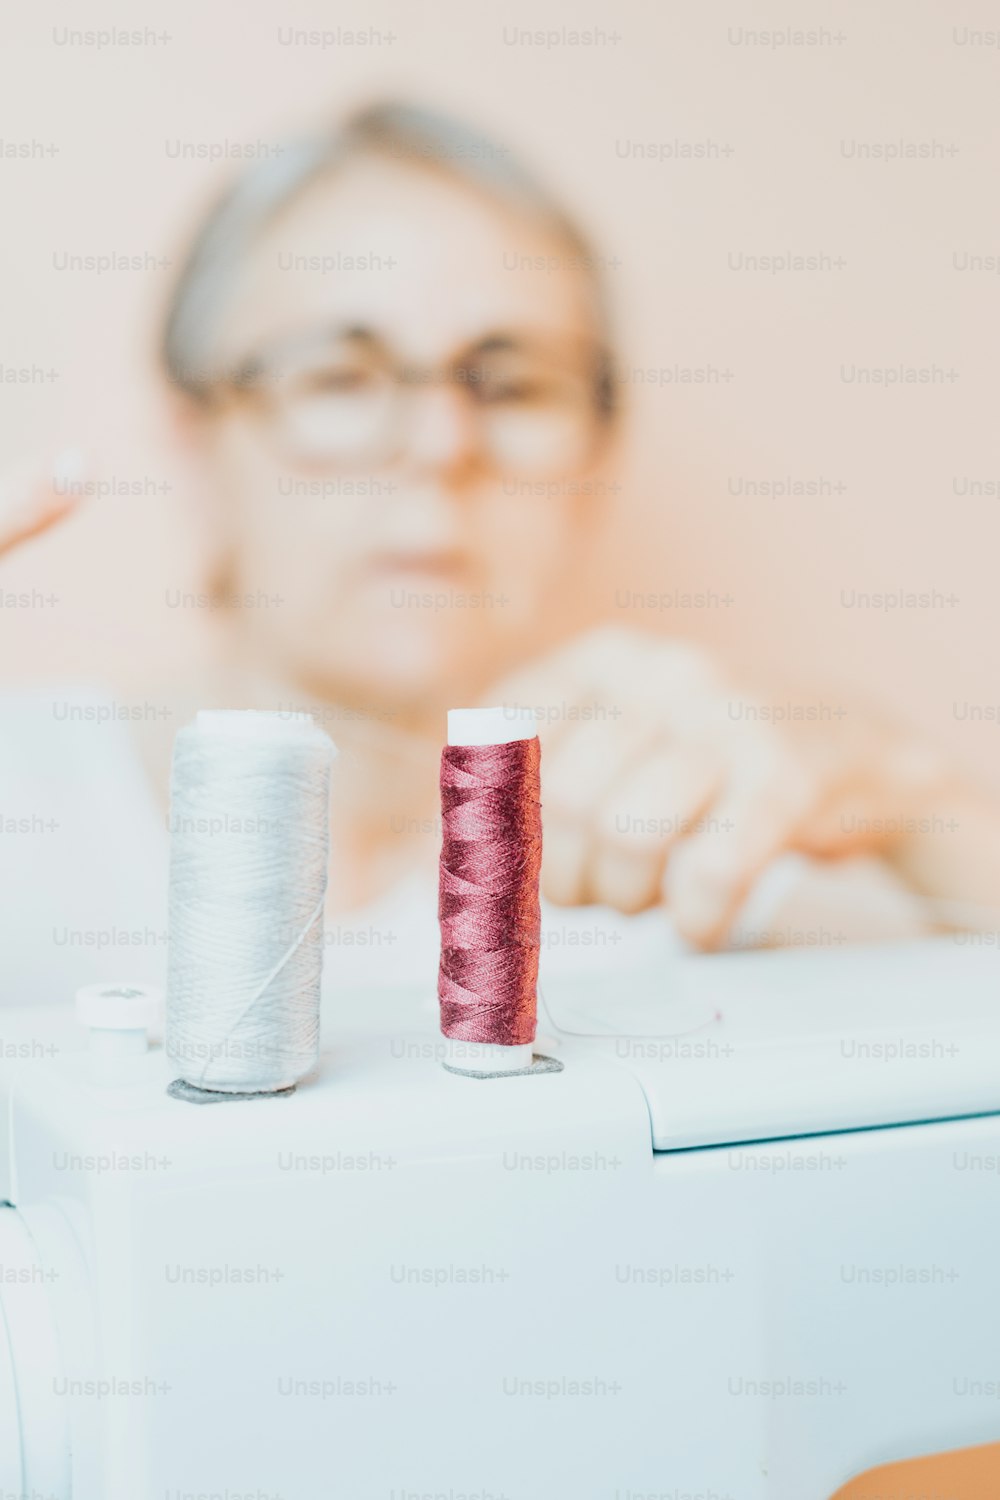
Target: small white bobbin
119,1016
488,726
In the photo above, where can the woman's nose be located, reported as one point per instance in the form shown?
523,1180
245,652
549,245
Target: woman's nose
442,436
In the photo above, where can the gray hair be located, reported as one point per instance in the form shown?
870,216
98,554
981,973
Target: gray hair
401,131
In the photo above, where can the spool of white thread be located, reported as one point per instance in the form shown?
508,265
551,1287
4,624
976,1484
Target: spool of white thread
488,726
249,823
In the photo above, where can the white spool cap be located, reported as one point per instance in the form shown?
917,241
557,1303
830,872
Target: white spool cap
489,726
119,1016
261,724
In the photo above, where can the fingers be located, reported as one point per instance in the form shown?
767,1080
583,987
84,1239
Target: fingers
657,802
662,797
708,876
31,499
576,777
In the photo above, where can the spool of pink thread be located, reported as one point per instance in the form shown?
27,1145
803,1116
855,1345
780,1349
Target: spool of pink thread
489,905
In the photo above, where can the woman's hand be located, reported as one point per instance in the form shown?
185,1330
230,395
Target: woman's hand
661,782
34,497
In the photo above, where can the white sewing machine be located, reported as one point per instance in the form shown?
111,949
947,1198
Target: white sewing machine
740,1263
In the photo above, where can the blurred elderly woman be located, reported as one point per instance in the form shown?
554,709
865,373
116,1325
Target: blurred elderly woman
400,466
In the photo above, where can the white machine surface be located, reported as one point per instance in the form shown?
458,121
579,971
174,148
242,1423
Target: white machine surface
741,1247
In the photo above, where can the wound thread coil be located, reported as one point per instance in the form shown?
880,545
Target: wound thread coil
249,824
488,904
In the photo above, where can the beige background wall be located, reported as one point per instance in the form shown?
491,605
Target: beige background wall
889,294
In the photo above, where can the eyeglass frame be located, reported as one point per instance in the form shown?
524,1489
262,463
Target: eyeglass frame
249,377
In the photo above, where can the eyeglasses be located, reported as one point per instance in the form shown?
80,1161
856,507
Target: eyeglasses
344,401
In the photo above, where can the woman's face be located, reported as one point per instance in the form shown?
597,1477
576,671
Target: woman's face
397,543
